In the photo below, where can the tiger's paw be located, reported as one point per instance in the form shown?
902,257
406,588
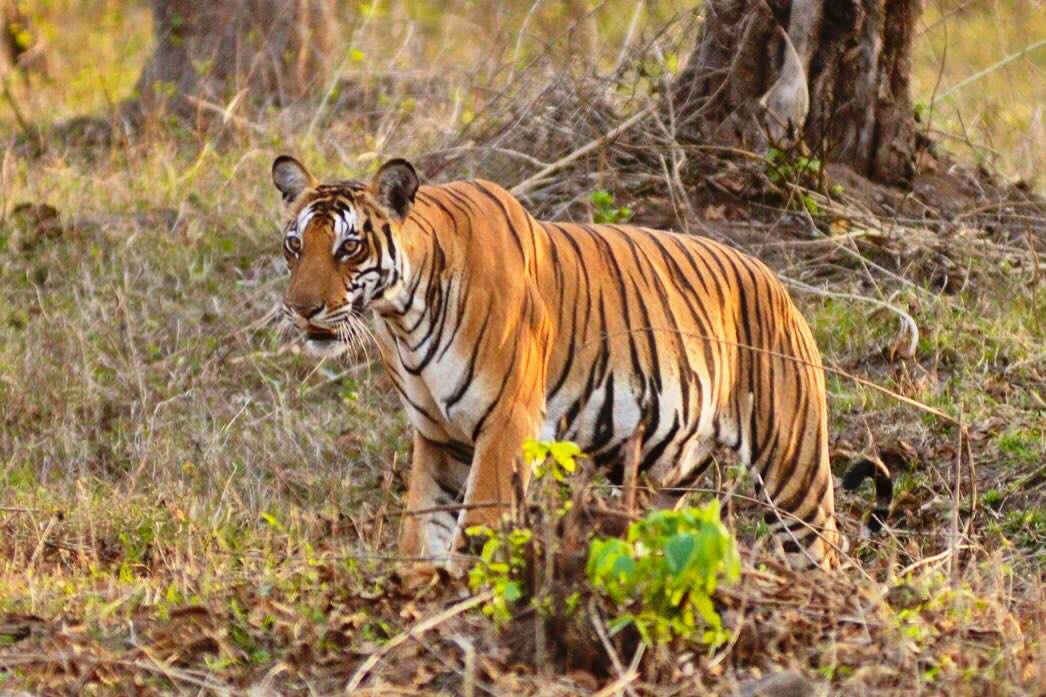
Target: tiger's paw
415,577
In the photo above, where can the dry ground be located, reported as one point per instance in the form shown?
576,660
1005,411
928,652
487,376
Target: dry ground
188,505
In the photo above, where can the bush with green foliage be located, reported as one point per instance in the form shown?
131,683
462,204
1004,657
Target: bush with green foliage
801,170
662,576
501,565
604,210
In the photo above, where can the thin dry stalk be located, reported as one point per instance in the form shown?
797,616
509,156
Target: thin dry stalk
634,449
386,490
530,182
625,678
31,133
226,112
954,545
991,68
42,542
413,633
907,340
618,686
470,669
830,369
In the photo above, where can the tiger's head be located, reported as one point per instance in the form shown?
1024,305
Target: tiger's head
340,245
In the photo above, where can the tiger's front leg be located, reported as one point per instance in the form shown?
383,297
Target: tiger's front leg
428,534
499,452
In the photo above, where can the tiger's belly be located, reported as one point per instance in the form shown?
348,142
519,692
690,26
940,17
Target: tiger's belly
677,434
677,417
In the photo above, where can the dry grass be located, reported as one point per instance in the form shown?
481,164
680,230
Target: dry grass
998,119
190,505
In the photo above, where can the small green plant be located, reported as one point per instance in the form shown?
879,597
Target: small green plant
500,568
604,210
922,110
503,558
1021,446
801,170
663,575
557,458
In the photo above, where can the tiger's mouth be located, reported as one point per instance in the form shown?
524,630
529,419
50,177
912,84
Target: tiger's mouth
323,343
320,335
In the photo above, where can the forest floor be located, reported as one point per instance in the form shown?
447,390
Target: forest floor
190,505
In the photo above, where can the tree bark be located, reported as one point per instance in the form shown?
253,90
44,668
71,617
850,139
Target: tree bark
214,50
21,47
833,74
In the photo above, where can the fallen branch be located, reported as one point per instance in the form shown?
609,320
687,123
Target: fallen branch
175,675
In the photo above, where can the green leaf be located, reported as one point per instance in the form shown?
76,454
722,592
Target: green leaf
679,550
564,452
602,198
620,623
273,522
704,606
602,555
534,451
490,547
520,536
709,549
512,591
624,568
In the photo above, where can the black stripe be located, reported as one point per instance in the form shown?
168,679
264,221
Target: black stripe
508,216
463,387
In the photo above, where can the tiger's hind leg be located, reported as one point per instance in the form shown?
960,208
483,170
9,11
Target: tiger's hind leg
789,459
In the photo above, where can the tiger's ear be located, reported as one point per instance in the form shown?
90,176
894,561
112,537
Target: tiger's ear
291,177
394,187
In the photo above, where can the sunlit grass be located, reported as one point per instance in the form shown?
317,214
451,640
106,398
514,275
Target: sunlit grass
998,119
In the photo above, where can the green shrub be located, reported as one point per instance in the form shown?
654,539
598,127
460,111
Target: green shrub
662,576
501,566
801,170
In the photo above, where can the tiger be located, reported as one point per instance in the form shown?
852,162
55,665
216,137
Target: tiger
496,327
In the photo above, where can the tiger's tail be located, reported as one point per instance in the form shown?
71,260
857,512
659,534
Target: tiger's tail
875,470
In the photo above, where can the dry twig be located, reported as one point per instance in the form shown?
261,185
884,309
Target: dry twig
413,633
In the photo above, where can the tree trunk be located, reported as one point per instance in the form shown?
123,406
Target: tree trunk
21,47
214,50
833,74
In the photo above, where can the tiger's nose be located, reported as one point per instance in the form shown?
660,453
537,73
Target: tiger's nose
306,310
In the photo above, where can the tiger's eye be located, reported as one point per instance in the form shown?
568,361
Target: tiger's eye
294,244
347,248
